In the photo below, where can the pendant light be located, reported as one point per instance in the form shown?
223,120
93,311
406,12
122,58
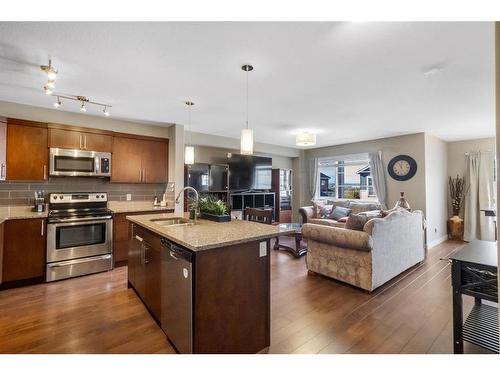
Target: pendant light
246,144
188,149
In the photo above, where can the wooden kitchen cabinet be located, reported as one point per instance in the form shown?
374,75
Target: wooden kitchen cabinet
145,268
122,235
126,165
154,161
27,152
71,139
139,160
24,254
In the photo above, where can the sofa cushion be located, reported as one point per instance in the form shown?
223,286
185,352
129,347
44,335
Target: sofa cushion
356,222
339,212
358,207
327,222
320,210
343,219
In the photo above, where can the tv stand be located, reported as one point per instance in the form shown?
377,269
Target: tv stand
252,199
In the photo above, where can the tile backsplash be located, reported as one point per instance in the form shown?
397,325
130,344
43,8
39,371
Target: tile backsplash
22,193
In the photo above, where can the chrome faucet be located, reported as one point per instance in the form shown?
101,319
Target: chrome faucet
197,197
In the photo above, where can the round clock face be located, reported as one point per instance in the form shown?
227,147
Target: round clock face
402,167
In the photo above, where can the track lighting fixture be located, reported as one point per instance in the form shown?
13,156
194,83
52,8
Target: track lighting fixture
83,108
51,84
57,103
47,90
50,71
105,112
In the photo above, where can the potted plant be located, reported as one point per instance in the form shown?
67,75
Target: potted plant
212,208
458,191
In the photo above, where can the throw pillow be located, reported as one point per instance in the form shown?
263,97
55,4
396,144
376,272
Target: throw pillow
362,207
343,219
339,212
318,207
356,222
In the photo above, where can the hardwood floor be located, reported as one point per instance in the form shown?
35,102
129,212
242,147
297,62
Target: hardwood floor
310,314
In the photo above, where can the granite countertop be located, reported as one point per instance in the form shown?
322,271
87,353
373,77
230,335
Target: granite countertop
205,234
20,212
136,206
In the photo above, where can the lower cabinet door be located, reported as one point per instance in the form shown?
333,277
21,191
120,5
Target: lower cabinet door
153,281
24,249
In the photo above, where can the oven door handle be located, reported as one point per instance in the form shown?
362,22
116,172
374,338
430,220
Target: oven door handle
90,220
76,261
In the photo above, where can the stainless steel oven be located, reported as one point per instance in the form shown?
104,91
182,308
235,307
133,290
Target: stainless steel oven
79,235
65,162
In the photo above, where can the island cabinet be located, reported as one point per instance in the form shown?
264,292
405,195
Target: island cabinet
144,268
23,248
121,235
80,140
27,152
139,160
209,301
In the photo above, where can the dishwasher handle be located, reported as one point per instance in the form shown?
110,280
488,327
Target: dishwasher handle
177,252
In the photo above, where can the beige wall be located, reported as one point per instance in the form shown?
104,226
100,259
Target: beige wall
436,189
27,112
456,153
413,145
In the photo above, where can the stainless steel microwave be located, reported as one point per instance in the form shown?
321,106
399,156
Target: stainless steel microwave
64,162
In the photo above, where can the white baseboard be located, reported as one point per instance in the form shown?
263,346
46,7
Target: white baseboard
437,241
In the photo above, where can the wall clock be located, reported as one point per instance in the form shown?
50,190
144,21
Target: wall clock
402,167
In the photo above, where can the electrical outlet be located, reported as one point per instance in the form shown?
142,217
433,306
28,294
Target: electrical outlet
129,197
263,249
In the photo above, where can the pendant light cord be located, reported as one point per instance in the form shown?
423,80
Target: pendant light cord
247,97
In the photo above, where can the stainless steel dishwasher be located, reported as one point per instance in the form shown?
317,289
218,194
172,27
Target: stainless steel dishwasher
177,296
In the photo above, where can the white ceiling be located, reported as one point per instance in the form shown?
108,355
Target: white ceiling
344,81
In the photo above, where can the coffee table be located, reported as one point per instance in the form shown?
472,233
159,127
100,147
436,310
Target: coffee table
299,249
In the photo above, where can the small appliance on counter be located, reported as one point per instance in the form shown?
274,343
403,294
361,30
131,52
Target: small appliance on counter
39,205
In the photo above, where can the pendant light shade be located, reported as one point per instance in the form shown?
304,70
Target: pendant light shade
188,149
246,146
246,142
189,155
305,139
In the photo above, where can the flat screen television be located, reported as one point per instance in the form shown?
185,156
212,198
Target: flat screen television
248,172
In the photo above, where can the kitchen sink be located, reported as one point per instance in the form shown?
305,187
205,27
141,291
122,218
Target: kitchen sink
173,221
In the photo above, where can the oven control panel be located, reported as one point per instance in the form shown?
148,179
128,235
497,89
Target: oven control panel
77,197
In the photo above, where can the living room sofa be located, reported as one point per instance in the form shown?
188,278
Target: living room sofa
370,257
356,206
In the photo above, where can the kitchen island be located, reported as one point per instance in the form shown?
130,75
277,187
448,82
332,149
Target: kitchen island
207,284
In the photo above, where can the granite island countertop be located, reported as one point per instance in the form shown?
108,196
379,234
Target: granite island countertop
205,234
20,212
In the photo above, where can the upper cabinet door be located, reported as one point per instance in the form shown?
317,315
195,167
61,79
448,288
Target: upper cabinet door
97,142
59,138
27,152
154,162
126,163
71,139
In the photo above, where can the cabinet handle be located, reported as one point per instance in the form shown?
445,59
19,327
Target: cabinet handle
42,229
85,142
138,238
146,260
80,137
143,175
2,171
44,172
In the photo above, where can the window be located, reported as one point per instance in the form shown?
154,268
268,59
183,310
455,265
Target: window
346,177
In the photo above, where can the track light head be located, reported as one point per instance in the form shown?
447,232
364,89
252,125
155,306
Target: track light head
47,90
50,71
105,112
83,108
57,103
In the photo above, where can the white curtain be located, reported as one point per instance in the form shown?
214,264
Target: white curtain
313,178
481,196
378,176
